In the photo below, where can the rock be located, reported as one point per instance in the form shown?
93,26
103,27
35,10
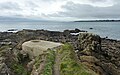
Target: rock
100,55
89,59
66,32
74,31
110,69
89,45
89,41
4,70
6,60
95,52
90,28
30,65
12,29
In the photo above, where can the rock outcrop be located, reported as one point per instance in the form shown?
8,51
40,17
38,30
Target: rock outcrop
101,57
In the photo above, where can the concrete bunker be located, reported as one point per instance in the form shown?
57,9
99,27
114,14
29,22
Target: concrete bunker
36,47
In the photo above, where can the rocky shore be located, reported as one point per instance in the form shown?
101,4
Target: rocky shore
98,54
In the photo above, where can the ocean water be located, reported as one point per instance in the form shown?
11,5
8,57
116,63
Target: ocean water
110,29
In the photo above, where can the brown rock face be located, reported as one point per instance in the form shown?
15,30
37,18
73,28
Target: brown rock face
89,43
98,55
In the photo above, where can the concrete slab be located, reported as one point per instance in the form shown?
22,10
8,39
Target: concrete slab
37,47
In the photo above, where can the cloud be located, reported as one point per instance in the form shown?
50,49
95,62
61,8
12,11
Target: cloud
86,11
98,0
28,8
61,9
9,6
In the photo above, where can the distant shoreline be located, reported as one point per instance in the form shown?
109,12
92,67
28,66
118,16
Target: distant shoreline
98,21
73,32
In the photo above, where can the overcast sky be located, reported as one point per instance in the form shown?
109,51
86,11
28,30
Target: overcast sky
66,10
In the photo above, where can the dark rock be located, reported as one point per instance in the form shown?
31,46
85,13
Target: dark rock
12,29
90,28
74,31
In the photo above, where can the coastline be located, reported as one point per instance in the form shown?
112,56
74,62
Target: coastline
73,32
93,51
109,29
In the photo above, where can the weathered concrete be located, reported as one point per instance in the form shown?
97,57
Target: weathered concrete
37,47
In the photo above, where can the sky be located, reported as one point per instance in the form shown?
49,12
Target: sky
61,10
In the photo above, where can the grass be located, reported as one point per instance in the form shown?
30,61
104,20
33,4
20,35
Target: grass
38,61
19,69
50,59
69,63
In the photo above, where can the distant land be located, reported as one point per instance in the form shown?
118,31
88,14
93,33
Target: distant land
4,18
7,19
98,21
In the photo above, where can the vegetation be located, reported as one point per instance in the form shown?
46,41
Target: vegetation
13,64
69,63
50,58
19,69
38,61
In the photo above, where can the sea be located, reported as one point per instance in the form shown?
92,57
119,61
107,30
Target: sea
104,29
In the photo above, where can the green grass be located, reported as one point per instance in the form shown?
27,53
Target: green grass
69,63
38,61
19,69
50,59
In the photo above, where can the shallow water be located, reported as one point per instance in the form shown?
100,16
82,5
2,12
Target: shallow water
110,29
